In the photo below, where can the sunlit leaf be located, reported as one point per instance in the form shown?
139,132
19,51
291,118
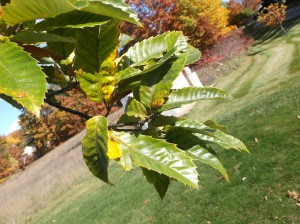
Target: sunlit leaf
124,39
19,11
21,77
203,155
114,149
188,95
160,156
152,48
193,55
135,108
230,141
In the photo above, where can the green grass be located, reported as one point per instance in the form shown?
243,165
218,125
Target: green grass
264,114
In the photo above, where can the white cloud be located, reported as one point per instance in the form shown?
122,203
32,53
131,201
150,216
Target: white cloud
13,127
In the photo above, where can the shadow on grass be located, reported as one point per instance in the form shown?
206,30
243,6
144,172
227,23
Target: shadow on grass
263,34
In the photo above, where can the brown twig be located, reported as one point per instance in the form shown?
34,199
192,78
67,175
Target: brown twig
60,107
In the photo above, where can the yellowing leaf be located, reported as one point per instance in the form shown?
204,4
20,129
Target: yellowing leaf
114,150
108,70
96,52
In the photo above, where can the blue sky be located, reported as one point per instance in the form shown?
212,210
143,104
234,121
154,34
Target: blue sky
8,117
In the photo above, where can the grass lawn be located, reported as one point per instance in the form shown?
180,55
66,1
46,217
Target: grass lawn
264,114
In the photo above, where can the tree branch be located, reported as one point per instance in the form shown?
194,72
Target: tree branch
63,90
60,107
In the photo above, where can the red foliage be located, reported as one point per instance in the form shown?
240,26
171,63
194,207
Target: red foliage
156,16
226,48
234,7
203,22
220,58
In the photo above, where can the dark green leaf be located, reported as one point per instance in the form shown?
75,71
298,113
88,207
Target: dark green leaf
161,120
74,19
29,36
94,45
126,119
62,49
95,145
161,182
195,148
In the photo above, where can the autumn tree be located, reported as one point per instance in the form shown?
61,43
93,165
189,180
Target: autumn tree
273,15
9,155
203,21
239,12
157,16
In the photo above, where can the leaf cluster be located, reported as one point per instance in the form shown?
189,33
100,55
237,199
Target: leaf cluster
82,50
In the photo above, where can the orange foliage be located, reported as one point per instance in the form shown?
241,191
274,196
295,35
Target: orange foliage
234,7
10,153
275,15
203,21
156,16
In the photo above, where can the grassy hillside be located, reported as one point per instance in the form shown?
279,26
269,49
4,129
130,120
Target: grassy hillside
264,114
